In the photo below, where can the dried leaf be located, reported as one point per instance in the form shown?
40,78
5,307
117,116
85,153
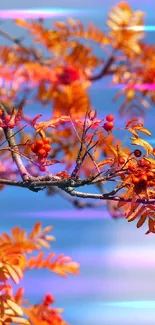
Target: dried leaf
15,272
16,309
132,215
35,231
144,144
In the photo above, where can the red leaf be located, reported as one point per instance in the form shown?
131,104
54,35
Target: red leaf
35,119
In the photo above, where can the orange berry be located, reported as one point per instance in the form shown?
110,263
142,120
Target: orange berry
147,163
108,126
41,160
143,178
1,112
150,175
151,183
41,153
135,180
137,153
46,140
110,117
131,168
121,160
47,147
39,143
34,147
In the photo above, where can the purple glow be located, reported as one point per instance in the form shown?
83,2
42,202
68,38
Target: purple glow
68,214
140,87
43,13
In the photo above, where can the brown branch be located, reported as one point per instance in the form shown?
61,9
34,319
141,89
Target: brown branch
104,71
18,43
66,185
15,154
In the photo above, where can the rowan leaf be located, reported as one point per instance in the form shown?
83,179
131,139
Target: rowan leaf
14,307
151,224
129,193
107,161
14,272
132,215
143,130
20,320
35,231
141,221
144,144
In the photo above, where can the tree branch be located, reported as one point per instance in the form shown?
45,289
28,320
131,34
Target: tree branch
106,196
105,69
15,154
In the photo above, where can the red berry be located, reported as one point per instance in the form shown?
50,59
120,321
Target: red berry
42,168
68,75
49,298
7,118
108,126
110,117
11,125
141,162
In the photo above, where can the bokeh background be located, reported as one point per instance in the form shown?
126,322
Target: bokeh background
116,285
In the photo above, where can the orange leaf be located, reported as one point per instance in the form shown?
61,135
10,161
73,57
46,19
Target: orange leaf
141,220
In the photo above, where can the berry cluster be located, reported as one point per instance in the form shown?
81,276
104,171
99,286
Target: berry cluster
48,300
10,120
108,126
50,315
68,75
142,175
41,148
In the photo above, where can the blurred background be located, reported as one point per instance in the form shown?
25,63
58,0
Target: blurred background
116,285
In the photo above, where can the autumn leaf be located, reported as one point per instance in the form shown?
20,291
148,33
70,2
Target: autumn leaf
144,144
14,272
132,215
141,220
14,307
143,130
